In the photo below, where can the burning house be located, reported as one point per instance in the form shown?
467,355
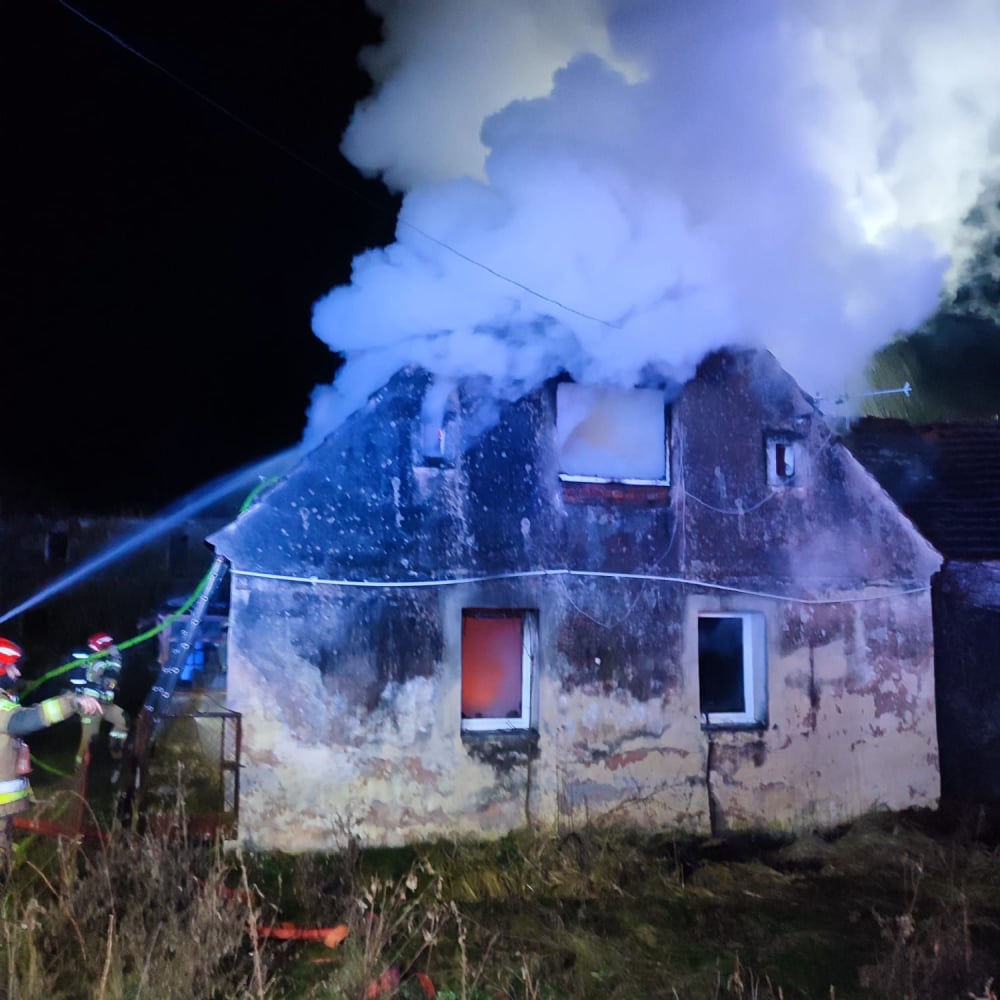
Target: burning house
690,608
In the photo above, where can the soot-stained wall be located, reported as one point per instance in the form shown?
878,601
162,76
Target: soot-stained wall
350,578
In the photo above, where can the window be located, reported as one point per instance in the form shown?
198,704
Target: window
439,445
440,431
607,434
497,654
780,462
732,675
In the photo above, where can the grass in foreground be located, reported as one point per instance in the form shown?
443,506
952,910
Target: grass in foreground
895,905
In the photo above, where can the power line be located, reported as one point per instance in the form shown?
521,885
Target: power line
871,594
288,151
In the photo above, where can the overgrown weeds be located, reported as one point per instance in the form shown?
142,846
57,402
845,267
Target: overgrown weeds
928,951
151,916
890,906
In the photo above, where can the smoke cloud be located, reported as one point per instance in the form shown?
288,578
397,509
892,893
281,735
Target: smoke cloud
610,187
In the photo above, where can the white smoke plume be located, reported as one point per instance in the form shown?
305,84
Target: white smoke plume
610,186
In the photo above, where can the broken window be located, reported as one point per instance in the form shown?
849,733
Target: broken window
732,676
609,434
440,446
439,426
497,658
781,456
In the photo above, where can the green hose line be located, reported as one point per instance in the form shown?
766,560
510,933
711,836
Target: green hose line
125,644
39,763
253,494
129,643
156,629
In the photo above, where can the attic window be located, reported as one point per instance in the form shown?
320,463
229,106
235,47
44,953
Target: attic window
732,669
781,456
606,434
439,427
439,445
497,661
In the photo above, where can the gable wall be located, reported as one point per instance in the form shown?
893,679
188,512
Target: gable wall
351,693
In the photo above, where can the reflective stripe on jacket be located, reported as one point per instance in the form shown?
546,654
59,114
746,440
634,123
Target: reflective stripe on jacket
54,711
11,791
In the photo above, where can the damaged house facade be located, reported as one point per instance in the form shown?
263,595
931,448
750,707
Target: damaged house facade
691,610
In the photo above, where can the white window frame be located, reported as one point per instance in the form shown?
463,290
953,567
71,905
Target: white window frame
529,647
754,672
791,461
577,477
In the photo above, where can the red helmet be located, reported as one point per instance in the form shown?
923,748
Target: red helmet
10,653
100,641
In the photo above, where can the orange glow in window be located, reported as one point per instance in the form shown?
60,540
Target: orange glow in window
491,667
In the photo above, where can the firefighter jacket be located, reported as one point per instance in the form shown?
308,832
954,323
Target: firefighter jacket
17,721
99,678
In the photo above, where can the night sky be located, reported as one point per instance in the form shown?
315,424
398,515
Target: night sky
165,249
162,258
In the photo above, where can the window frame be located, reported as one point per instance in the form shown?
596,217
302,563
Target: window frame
792,455
576,477
443,453
438,433
529,648
754,671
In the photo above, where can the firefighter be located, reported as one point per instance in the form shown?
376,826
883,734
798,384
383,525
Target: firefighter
99,679
15,722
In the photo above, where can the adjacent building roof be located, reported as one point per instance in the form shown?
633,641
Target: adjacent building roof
944,476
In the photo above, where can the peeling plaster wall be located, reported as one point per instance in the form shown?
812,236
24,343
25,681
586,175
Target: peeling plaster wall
851,727
851,717
351,695
320,764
